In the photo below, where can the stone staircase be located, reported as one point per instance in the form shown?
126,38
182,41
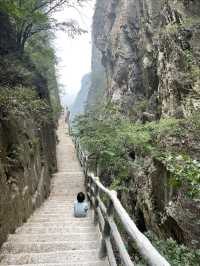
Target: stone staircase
52,236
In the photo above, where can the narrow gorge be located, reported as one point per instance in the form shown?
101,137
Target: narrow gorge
135,124
29,106
143,112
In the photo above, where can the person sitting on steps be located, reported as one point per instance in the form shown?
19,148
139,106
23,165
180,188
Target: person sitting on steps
80,206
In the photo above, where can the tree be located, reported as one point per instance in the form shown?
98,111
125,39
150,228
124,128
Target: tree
33,16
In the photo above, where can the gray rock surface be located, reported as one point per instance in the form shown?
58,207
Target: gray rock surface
151,55
148,48
80,102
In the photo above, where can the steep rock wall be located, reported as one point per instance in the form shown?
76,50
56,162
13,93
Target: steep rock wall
98,81
79,104
150,51
24,171
27,149
148,48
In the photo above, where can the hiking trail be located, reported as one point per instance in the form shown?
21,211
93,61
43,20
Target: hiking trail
52,236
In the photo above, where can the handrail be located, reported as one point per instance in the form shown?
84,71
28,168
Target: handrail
104,216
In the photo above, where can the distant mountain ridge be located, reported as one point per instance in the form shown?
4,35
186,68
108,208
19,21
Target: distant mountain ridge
81,100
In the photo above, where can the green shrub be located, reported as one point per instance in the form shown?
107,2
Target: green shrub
112,138
20,102
176,255
184,170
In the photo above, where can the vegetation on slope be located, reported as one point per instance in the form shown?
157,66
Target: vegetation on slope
115,140
30,60
120,146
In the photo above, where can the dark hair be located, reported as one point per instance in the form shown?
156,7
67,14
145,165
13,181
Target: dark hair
81,197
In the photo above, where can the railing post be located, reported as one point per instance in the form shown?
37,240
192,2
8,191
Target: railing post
96,194
86,178
84,162
90,189
106,230
86,166
109,227
106,234
110,210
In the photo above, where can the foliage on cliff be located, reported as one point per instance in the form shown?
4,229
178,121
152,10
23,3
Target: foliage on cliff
116,141
20,102
175,254
122,147
43,57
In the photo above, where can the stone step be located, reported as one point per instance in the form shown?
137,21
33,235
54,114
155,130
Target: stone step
58,220
55,229
74,169
67,187
56,237
68,213
71,191
64,175
67,184
55,209
69,181
75,223
46,211
59,206
69,196
58,203
62,169
58,174
76,189
74,193
50,257
71,165
65,199
63,216
87,263
53,220
40,247
67,178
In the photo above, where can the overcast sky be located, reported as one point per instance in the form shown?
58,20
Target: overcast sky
74,55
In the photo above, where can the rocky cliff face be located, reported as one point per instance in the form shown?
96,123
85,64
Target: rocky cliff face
150,51
24,170
151,54
98,81
27,149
